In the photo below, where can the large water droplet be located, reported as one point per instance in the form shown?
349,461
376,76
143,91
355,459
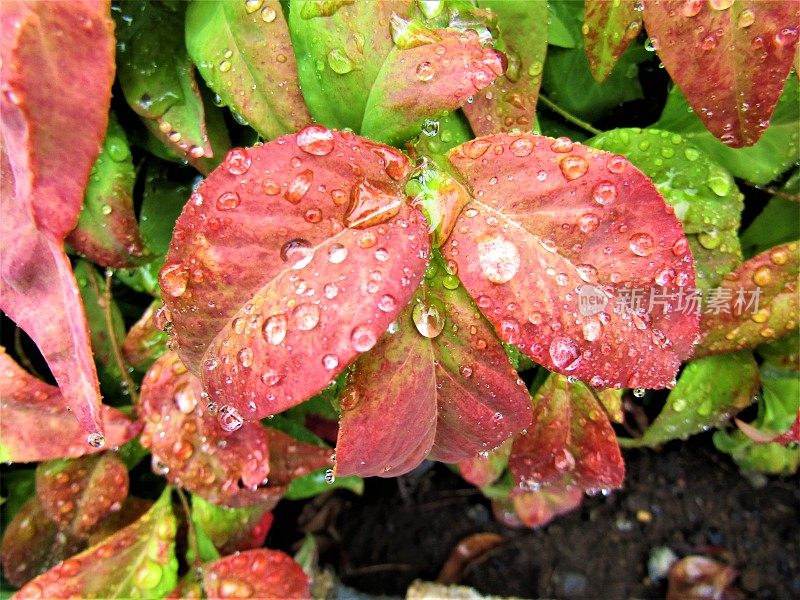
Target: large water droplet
96,440
275,328
499,259
565,353
604,193
363,338
425,71
229,418
237,161
305,316
371,203
228,201
297,253
641,244
387,303
521,147
573,167
174,279
429,317
691,8
337,253
316,140
245,357
339,62
330,361
299,186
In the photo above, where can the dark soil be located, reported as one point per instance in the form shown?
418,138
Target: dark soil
405,529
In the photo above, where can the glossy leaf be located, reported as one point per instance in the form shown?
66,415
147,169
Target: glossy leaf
107,231
138,561
704,196
145,342
35,424
583,229
570,441
608,29
261,573
483,470
437,384
319,482
158,81
246,58
233,529
730,59
775,152
290,459
51,137
297,277
710,390
165,193
426,80
510,102
537,508
32,544
777,223
335,59
762,303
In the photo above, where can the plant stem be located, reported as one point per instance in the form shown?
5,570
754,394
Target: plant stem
198,564
112,340
568,116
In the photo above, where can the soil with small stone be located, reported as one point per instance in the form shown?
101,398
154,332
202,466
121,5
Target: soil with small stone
686,497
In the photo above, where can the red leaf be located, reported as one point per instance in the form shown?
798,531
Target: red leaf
35,424
53,58
438,383
570,440
537,508
482,470
77,494
290,459
554,226
261,573
191,448
607,31
273,271
729,58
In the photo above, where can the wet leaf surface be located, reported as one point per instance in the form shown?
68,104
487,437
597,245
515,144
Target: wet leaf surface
258,573
570,441
246,58
709,391
51,138
482,470
137,561
510,102
608,29
757,303
583,229
35,423
295,255
537,508
233,529
107,231
730,59
441,376
145,342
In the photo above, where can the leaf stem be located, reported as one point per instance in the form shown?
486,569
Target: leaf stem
112,340
568,116
198,564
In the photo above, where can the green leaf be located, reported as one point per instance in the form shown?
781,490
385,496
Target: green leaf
708,392
19,486
778,223
232,529
315,483
775,152
244,53
772,458
165,193
564,18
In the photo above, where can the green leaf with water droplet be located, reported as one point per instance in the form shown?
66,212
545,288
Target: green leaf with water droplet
165,192
484,470
709,391
608,29
232,529
703,195
315,483
107,231
773,154
247,59
137,561
158,80
144,342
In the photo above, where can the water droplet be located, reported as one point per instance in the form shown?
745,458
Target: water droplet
305,316
299,186
331,290
641,244
225,66
746,18
679,405
337,253
237,161
425,71
564,353
229,418
245,357
499,259
316,140
174,279
339,62
330,478
592,330
387,303
429,317
363,338
252,6
275,328
691,8
562,145
228,201
96,440
466,371
762,276
106,209
604,193
720,4
709,42
680,246
573,167
268,14
588,222
330,361
616,164
371,203
638,392
430,127
297,253
786,36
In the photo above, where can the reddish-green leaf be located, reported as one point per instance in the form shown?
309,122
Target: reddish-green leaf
570,441
107,231
295,255
537,508
264,574
563,247
77,494
290,459
510,102
608,28
245,55
437,383
138,561
232,529
730,58
426,80
485,469
756,303
144,342
35,424
53,58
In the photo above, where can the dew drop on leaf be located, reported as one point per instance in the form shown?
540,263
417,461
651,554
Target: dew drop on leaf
229,418
337,253
330,361
429,317
96,440
174,280
275,329
297,253
316,140
499,259
237,161
386,303
604,193
573,167
362,338
228,201
638,392
425,71
564,353
299,186
641,244
371,204
305,316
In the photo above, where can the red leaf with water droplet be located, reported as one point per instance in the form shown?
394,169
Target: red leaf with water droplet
510,102
290,459
262,573
77,494
232,529
570,437
438,384
144,342
537,508
754,304
426,80
729,58
609,27
482,470
280,263
568,243
53,58
135,562
35,423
